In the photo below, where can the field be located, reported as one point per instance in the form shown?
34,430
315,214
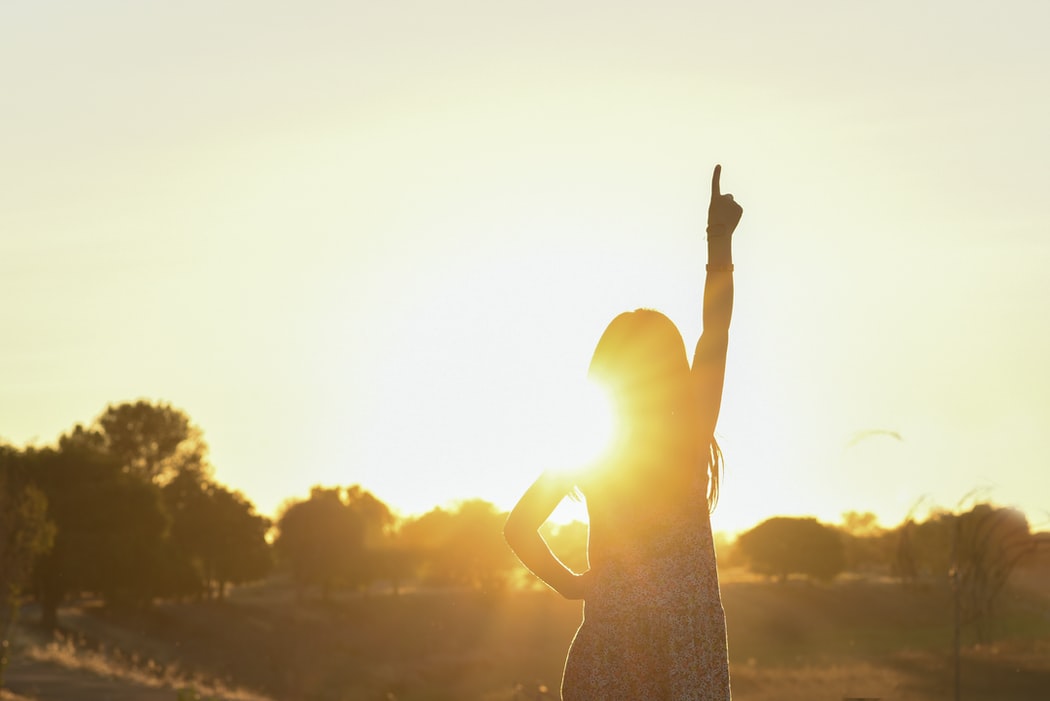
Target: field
791,641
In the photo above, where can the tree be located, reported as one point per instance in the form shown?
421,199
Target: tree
464,547
375,515
782,546
987,545
393,563
25,533
868,546
154,441
110,526
924,547
976,551
216,533
217,538
320,539
379,558
241,553
861,524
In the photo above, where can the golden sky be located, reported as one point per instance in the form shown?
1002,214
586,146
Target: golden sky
376,243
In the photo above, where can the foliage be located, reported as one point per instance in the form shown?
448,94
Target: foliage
322,539
137,515
217,534
154,441
869,548
110,524
924,548
376,517
782,546
569,542
988,544
976,550
860,524
25,533
463,547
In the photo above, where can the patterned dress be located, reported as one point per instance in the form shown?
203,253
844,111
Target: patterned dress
654,628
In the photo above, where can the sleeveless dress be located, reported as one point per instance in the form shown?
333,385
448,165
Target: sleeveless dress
654,627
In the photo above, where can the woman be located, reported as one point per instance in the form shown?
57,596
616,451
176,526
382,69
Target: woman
653,623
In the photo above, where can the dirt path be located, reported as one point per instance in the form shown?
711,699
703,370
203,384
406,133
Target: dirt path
48,681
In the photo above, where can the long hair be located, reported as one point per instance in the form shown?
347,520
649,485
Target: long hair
641,359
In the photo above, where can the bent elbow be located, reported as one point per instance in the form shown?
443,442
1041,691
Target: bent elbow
517,533
512,532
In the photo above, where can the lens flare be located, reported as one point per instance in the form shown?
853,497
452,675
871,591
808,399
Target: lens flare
588,425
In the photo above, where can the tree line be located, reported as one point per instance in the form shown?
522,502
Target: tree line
974,551
127,508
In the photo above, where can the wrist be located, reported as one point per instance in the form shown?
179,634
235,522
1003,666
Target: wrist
720,251
575,587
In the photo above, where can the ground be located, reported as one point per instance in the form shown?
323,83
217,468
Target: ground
792,641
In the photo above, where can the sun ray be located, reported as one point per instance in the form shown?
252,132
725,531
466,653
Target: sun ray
584,426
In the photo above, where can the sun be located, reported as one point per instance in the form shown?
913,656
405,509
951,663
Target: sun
584,426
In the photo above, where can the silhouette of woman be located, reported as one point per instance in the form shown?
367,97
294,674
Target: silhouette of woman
653,627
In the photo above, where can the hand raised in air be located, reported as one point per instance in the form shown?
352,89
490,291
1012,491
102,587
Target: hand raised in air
724,213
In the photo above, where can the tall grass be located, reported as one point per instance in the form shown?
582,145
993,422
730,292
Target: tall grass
112,663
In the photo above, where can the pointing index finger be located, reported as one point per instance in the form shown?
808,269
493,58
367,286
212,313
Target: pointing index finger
716,188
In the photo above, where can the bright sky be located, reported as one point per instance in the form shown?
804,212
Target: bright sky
376,243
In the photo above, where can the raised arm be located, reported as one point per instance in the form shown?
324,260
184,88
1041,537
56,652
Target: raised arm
709,360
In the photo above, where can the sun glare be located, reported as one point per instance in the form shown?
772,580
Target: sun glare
586,425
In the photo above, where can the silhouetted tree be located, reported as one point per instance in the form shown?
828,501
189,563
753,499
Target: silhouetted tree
924,547
25,533
242,553
987,545
976,551
394,563
860,524
376,516
725,550
425,536
320,540
380,557
110,526
782,546
153,440
217,532
868,546
187,502
464,547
